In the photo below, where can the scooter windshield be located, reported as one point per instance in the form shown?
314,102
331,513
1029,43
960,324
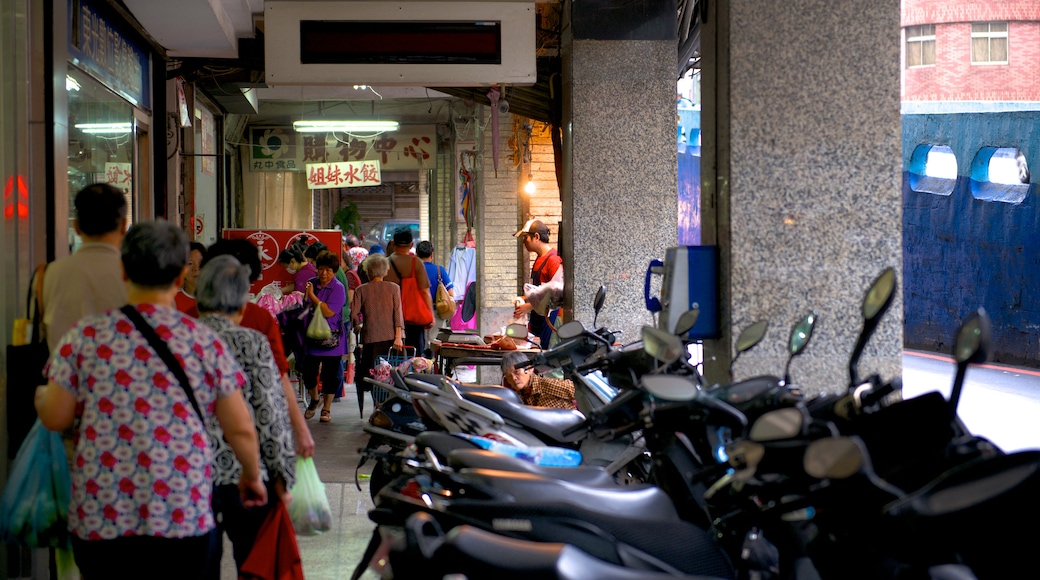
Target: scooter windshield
599,385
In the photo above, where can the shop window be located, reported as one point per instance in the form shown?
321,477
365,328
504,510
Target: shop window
989,43
933,169
920,45
999,174
101,141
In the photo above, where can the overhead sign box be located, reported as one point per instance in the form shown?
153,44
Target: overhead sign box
446,44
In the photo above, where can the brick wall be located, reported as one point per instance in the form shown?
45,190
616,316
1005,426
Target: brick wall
954,78
544,204
498,214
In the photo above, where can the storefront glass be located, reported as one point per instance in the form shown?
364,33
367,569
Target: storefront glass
101,141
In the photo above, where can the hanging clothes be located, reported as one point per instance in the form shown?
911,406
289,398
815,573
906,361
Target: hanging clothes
462,269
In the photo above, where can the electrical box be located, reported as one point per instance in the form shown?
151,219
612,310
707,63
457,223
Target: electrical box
691,280
459,43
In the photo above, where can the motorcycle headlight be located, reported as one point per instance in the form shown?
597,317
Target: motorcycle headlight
379,419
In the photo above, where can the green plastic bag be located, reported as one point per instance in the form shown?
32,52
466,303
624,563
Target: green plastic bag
34,508
319,328
309,510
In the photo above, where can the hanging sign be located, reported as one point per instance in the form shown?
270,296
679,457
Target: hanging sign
282,149
346,174
99,44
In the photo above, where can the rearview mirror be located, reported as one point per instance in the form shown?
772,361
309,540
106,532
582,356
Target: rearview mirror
875,303
778,424
752,335
972,346
800,336
669,387
661,345
597,303
748,338
686,321
572,329
973,339
833,458
517,331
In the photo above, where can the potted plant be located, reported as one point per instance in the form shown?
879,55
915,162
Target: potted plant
348,219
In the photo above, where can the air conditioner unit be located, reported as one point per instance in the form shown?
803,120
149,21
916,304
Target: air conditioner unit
447,44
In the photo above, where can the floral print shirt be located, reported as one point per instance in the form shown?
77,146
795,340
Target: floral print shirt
266,398
142,463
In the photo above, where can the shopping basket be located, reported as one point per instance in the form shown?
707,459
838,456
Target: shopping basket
394,358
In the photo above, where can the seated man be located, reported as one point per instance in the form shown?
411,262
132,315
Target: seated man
535,390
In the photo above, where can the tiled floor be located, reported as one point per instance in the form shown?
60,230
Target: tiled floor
335,554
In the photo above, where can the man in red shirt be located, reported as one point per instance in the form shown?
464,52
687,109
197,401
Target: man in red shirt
535,236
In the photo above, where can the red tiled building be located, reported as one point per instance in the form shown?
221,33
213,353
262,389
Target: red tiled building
971,51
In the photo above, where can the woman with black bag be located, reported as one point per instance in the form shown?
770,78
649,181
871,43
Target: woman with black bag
323,355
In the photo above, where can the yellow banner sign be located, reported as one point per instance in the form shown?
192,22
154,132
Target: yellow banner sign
345,174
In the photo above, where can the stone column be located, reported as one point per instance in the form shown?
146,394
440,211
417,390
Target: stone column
619,186
801,179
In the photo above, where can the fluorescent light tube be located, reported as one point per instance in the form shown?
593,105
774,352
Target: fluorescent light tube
104,127
325,126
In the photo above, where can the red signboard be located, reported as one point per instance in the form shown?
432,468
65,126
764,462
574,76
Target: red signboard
272,242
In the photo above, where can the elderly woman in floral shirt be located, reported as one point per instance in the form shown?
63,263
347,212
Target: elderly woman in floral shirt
221,293
142,465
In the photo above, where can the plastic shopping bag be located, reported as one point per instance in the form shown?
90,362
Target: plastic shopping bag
537,454
309,510
269,303
319,328
34,507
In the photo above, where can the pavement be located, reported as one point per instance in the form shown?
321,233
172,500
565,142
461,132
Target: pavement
334,554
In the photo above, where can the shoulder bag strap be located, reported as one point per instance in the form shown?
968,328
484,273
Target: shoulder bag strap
36,313
396,271
164,353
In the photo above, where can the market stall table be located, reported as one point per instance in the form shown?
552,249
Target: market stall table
447,355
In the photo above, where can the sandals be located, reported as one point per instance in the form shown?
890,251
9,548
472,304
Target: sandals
311,409
325,416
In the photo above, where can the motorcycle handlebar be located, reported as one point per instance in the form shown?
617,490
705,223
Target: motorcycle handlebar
600,416
543,357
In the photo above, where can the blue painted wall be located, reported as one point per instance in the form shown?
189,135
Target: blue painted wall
960,253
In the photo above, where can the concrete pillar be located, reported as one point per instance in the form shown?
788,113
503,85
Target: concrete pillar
619,185
801,183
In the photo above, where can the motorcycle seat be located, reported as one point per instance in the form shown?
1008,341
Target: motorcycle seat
545,423
495,390
443,443
482,459
504,393
644,503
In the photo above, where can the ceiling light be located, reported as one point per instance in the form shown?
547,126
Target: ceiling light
345,126
104,127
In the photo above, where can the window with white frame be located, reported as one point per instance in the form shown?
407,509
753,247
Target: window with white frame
989,43
920,45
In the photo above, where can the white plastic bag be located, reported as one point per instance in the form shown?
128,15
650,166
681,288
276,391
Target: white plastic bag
309,510
273,289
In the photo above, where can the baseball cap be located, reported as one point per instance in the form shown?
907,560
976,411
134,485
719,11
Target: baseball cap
403,237
532,227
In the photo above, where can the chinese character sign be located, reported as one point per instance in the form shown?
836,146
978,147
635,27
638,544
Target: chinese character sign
344,174
121,176
283,149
